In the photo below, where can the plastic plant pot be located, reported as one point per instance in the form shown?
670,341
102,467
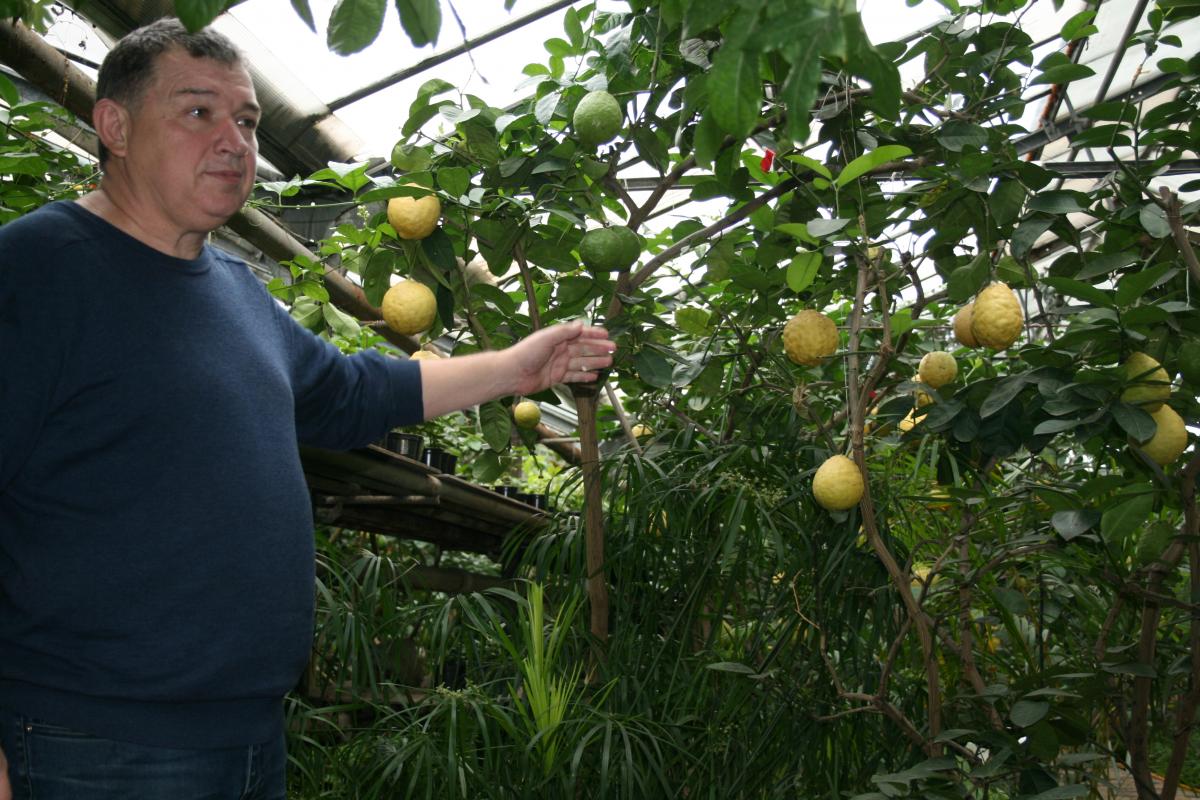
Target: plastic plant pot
405,444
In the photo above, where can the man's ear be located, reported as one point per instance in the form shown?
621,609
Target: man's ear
111,121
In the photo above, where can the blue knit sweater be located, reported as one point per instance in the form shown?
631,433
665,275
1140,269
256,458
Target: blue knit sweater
156,551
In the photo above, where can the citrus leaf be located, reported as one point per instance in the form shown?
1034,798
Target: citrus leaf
1081,290
734,90
692,320
1136,422
1027,234
421,19
803,270
354,24
1126,517
1064,73
869,161
1135,284
653,368
1004,393
339,321
195,14
825,227
1070,524
1062,792
1028,712
810,164
305,14
732,666
496,425
1154,220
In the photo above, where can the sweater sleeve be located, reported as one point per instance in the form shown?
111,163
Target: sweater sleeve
348,401
33,336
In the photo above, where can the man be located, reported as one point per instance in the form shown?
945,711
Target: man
156,564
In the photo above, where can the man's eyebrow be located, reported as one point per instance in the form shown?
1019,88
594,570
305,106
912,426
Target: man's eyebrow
189,91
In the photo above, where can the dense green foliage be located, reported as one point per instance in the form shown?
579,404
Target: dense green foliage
1013,605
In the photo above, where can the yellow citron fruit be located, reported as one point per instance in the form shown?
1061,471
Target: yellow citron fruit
909,422
993,644
414,217
808,337
937,368
641,430
997,317
527,414
838,484
1149,385
962,326
424,355
1170,437
409,307
923,398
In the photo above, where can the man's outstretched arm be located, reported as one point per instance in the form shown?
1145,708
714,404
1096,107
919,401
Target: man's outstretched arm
566,353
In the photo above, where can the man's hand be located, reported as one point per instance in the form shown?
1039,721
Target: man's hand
568,353
5,787
571,352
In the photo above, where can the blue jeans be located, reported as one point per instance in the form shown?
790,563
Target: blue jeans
48,762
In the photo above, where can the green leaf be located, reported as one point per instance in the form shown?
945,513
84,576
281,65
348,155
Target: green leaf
1154,220
1136,422
354,24
454,180
410,158
195,14
1079,26
869,161
735,91
810,164
956,134
440,251
496,425
1006,200
826,227
799,230
1064,73
421,19
1058,202
1125,518
968,279
732,666
653,368
8,92
1072,523
1028,712
305,14
1004,393
1027,234
339,321
1132,286
803,270
799,89
377,275
1081,290
1062,793
692,320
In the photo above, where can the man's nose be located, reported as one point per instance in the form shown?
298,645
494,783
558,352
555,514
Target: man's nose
233,138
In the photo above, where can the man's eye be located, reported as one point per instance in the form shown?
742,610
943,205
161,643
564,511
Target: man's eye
249,123
198,112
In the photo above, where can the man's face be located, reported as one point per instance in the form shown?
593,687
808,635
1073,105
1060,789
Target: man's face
192,143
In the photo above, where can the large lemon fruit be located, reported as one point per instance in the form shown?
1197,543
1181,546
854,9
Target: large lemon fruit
962,326
527,414
937,368
605,249
409,307
808,337
1170,437
838,484
639,430
414,217
1147,384
597,118
996,318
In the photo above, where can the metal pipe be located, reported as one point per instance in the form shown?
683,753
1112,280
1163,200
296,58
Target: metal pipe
441,58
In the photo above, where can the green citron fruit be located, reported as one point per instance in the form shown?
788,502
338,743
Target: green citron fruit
809,337
409,307
838,484
1147,384
1189,362
608,249
527,414
597,118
